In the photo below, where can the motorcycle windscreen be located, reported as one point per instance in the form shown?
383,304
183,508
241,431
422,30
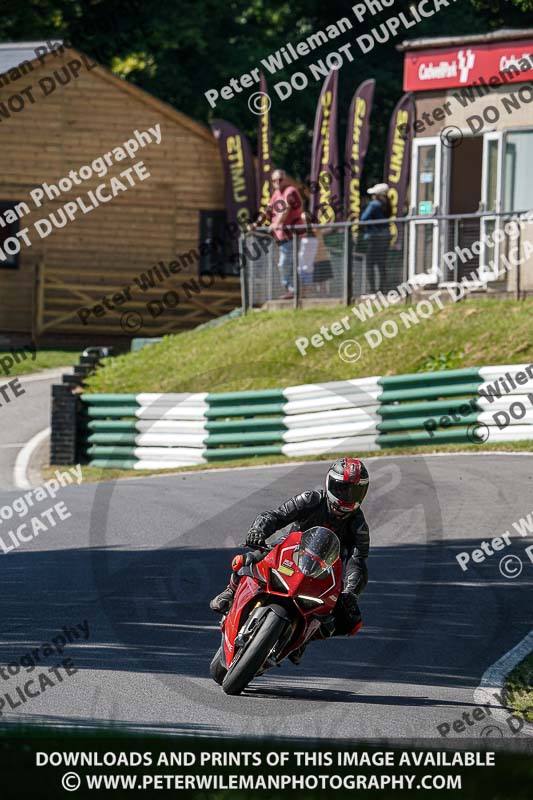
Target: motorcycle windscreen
318,551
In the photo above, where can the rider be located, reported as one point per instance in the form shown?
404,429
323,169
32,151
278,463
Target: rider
337,507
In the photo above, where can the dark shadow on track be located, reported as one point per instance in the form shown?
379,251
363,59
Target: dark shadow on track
340,696
148,612
29,722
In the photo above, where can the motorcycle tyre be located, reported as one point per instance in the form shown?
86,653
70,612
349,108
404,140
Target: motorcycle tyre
239,676
216,669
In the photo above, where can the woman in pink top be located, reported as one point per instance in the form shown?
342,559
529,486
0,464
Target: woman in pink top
285,208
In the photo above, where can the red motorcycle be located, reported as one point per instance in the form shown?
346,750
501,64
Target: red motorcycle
279,605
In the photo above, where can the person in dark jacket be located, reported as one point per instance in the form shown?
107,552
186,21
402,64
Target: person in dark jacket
377,236
337,507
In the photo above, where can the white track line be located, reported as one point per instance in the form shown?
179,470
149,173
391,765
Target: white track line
493,680
20,477
20,470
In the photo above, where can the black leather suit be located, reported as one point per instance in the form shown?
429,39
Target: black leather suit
308,509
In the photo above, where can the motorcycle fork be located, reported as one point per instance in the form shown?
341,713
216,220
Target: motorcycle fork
284,640
249,626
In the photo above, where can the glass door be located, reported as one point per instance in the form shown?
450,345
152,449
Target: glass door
491,182
424,233
518,171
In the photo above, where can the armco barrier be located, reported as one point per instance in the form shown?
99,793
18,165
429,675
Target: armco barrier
164,431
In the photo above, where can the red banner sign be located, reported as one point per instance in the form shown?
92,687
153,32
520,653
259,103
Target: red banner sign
446,67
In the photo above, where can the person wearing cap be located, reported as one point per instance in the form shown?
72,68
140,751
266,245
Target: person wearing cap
377,236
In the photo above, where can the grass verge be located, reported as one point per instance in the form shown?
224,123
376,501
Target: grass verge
519,689
94,474
44,359
258,351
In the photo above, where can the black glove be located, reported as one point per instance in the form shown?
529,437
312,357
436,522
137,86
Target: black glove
347,614
255,539
350,605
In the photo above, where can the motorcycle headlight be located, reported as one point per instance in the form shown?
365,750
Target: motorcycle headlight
307,603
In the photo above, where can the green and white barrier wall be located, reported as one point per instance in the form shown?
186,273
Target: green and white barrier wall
164,431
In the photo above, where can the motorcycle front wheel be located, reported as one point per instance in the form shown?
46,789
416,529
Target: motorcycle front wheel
254,655
216,669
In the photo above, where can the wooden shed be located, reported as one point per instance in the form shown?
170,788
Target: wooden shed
84,235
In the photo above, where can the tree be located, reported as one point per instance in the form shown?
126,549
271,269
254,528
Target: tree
178,49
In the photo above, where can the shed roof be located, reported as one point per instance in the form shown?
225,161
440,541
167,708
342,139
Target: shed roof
13,53
501,35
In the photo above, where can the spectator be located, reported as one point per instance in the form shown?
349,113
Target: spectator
377,236
284,209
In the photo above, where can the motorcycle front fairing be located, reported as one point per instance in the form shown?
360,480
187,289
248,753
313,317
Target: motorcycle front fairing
277,579
248,595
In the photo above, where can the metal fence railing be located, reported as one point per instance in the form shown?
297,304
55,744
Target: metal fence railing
343,261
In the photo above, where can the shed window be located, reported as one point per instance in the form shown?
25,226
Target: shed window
7,229
219,249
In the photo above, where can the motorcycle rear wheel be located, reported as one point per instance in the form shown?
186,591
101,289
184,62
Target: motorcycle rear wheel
255,654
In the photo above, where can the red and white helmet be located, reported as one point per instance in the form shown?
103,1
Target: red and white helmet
346,485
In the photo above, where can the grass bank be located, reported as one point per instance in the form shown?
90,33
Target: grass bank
44,359
258,351
519,689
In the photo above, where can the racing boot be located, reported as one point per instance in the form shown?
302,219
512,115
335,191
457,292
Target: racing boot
223,601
